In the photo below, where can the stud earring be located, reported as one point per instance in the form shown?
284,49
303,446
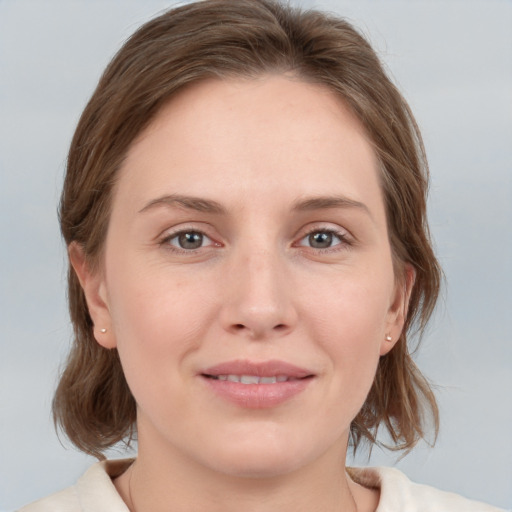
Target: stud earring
388,338
103,330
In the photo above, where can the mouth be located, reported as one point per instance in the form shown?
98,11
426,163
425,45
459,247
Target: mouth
254,379
251,372
257,385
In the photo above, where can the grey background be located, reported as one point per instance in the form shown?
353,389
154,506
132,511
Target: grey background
453,60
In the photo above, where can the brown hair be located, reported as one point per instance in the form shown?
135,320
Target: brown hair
223,38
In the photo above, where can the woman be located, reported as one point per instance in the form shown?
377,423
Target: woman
244,209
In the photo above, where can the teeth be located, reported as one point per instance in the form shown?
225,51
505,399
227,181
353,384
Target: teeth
253,379
249,379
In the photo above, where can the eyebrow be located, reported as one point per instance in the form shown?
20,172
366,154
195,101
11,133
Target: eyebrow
209,206
188,202
327,202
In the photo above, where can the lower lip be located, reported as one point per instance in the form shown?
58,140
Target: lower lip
257,396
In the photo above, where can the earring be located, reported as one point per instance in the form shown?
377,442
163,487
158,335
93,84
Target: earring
388,338
103,331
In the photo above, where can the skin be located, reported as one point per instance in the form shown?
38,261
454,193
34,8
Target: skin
258,287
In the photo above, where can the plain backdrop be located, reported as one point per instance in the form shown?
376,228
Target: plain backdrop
453,61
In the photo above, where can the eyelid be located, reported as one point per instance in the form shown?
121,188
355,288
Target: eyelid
164,238
345,237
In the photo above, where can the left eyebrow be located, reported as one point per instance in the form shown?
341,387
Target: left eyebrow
327,202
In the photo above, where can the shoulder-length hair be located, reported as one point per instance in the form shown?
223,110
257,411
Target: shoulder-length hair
243,38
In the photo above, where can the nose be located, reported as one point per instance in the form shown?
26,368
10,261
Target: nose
258,297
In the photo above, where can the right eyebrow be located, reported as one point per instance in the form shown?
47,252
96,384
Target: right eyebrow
189,202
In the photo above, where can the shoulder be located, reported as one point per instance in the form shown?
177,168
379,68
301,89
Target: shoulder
399,494
93,492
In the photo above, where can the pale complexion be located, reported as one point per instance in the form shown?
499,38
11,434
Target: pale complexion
248,224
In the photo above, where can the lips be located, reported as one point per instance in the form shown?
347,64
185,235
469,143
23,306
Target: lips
252,379
271,368
257,385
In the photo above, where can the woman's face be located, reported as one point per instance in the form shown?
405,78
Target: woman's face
247,278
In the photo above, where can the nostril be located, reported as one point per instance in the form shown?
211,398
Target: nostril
258,331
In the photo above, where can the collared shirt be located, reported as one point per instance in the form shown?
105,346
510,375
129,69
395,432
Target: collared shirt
95,492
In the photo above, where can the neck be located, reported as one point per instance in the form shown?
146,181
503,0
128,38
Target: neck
163,482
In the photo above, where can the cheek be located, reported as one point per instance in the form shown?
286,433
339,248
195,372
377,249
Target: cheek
157,317
351,306
349,321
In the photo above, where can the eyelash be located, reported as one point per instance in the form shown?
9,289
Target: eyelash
344,241
344,244
166,241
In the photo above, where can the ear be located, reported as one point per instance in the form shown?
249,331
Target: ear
398,310
93,285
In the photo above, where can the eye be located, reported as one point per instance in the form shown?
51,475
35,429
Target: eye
322,239
188,240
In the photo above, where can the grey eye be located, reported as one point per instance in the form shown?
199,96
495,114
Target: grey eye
189,240
320,239
192,240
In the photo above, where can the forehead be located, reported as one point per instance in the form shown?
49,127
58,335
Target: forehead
251,138
264,102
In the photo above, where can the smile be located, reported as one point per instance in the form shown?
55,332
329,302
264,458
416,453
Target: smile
257,385
252,379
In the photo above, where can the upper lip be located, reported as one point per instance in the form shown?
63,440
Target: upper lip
269,368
